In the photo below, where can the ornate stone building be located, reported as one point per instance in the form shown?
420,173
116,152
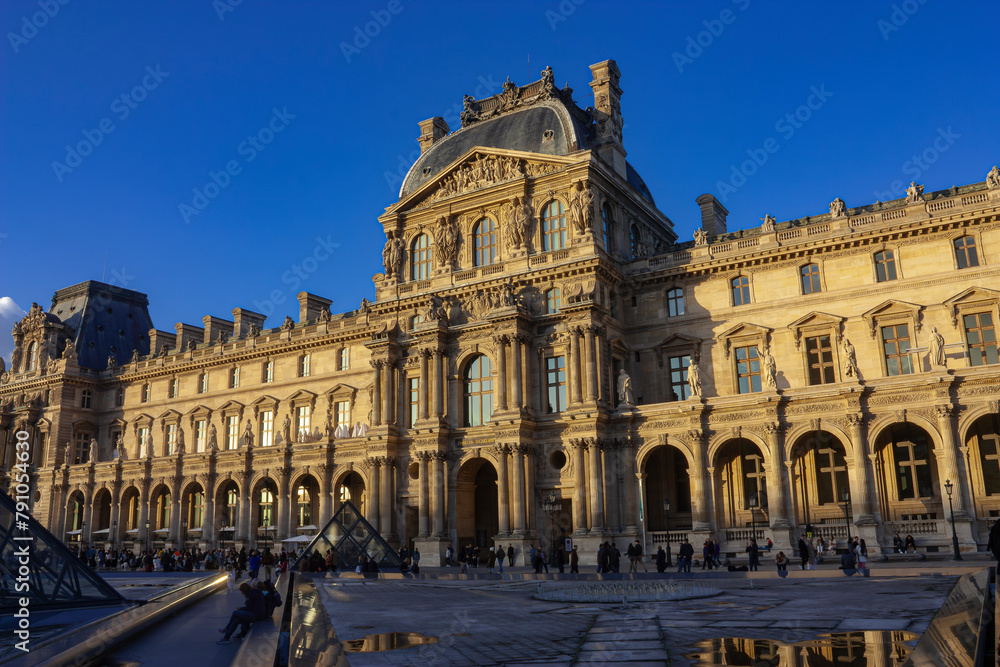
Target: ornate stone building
544,358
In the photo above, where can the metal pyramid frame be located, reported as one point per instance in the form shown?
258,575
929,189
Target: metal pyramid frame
36,564
350,536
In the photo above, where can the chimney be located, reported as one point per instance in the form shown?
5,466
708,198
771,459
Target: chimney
608,114
713,215
158,339
243,318
431,130
310,306
186,333
214,325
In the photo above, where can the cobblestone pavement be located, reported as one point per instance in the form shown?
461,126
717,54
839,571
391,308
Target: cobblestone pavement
484,622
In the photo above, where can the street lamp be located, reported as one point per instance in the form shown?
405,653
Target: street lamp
752,501
949,487
184,533
147,536
552,506
114,535
666,524
845,495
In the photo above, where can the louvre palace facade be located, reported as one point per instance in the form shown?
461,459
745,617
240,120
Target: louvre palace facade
545,359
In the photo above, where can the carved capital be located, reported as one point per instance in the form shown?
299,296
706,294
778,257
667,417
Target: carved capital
945,411
855,419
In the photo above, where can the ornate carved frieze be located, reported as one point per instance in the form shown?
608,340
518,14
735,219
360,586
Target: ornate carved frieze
484,171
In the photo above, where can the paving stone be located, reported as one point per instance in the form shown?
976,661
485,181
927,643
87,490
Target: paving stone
625,645
851,624
620,656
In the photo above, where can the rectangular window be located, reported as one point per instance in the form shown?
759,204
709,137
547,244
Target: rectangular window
896,344
820,355
121,397
234,378
302,422
810,279
174,388
232,432
268,375
171,438
199,435
143,442
146,390
345,359
986,434
555,383
266,428
304,366
343,410
86,398
203,383
414,392
748,369
885,266
679,388
965,252
913,472
831,474
982,338
741,290
81,453
675,302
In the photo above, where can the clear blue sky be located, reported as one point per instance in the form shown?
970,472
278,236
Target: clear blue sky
898,80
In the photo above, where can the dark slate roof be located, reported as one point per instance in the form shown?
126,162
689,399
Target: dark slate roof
635,180
521,130
106,320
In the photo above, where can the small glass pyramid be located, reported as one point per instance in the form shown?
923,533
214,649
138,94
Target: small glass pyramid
350,537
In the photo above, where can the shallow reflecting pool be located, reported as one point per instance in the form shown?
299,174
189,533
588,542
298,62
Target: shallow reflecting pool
386,641
844,649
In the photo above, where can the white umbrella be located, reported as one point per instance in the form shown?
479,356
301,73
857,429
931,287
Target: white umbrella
299,538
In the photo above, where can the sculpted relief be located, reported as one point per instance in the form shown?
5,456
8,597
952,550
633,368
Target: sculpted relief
489,170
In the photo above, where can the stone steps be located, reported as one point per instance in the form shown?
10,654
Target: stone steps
629,638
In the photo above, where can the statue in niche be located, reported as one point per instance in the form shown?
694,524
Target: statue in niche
120,452
506,294
694,378
838,208
700,237
94,447
769,368
914,192
392,255
446,239
213,439
581,202
518,223
850,359
768,225
626,396
288,324
993,178
248,435
936,355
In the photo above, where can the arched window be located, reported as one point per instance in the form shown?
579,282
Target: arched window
553,227
33,356
421,254
609,228
552,301
634,240
478,391
485,242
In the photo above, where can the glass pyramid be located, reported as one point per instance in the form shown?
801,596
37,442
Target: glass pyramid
350,537
35,564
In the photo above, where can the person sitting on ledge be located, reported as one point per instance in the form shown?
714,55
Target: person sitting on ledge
253,610
847,561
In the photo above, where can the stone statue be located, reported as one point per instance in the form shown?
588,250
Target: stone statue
253,332
838,208
936,355
506,294
694,378
437,310
913,193
850,359
392,255
93,450
180,441
342,431
120,452
286,429
769,368
248,435
288,324
518,217
112,362
324,315
360,430
69,352
213,439
191,345
625,394
135,356
149,446
993,178
446,240
700,237
581,202
68,455
166,348
768,226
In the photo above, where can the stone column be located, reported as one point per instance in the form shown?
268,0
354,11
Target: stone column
424,515
502,485
143,509
699,493
175,514
208,518
374,496
116,506
388,393
244,525
590,384
387,495
579,488
438,527
517,342
501,342
777,505
535,369
627,453
862,502
425,380
88,513
454,398
439,381
377,393
325,471
529,487
611,451
573,365
518,504
947,463
285,505
596,489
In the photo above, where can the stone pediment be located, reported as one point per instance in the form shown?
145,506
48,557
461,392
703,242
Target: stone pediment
814,319
974,297
169,415
677,342
199,410
481,168
893,308
743,330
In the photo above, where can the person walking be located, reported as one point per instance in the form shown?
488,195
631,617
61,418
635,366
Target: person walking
706,554
638,557
574,561
630,554
861,553
661,559
491,560
510,555
684,556
803,552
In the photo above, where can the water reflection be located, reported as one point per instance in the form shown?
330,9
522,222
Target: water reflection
386,641
847,649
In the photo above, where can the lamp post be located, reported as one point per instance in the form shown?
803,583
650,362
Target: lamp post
845,495
666,524
752,502
147,536
551,506
114,535
184,533
949,487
